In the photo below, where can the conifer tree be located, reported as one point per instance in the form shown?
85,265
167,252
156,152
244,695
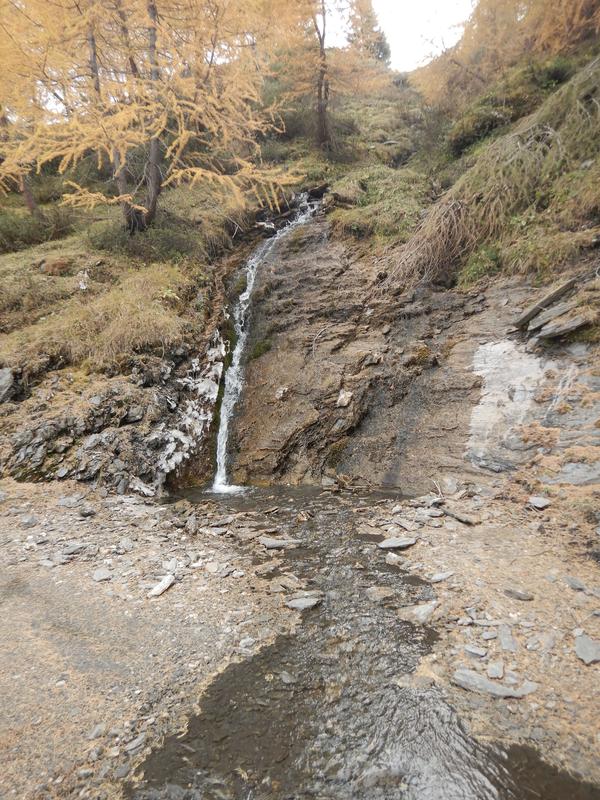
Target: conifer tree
365,33
170,85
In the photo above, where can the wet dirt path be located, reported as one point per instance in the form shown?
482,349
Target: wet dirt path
328,712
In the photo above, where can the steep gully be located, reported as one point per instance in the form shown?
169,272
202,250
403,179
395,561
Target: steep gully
330,711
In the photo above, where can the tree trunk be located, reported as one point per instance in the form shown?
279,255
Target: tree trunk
29,199
134,218
323,129
153,173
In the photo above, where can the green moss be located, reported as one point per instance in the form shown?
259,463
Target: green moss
482,263
260,348
385,203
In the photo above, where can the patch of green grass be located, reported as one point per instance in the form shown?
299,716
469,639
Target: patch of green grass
260,348
19,230
484,262
385,203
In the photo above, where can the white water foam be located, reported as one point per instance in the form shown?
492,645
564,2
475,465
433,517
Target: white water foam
234,377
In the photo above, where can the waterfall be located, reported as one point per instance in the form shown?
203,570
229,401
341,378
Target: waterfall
234,376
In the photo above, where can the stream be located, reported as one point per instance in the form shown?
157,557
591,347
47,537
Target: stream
234,377
330,711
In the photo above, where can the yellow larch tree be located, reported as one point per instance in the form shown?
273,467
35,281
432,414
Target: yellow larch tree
163,91
314,69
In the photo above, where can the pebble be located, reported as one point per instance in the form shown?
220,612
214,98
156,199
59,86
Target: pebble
518,594
419,613
101,574
588,650
495,669
379,593
507,640
393,559
574,583
477,652
97,731
396,543
487,635
441,576
277,544
344,398
539,502
303,603
87,511
162,586
474,682
29,521
72,548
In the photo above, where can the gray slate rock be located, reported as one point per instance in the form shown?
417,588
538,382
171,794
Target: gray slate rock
552,313
162,586
476,652
303,603
7,381
575,583
562,326
136,743
539,502
73,547
396,543
588,650
474,682
495,670
419,614
518,594
278,544
545,301
101,574
507,640
441,576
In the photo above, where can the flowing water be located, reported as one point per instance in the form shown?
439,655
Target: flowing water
331,711
234,377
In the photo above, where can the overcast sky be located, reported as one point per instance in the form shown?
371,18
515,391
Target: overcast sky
419,29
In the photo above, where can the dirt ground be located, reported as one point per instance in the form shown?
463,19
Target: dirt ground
92,669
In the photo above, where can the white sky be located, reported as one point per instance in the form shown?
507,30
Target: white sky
420,29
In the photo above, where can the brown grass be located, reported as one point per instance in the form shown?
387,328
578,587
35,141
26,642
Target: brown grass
139,314
506,179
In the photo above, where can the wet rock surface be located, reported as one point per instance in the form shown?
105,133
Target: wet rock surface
379,391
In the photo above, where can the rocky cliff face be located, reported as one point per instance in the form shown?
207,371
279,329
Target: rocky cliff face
345,385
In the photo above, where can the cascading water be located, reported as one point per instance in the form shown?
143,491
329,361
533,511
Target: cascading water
234,377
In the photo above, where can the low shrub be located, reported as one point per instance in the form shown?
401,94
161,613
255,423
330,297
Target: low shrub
169,239
20,230
482,263
474,126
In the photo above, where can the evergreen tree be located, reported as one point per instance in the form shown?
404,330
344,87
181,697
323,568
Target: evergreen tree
365,33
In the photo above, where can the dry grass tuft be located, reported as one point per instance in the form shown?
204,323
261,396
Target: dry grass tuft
508,178
141,313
